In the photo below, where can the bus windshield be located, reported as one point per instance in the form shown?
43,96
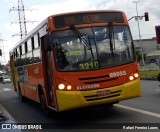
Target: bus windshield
106,47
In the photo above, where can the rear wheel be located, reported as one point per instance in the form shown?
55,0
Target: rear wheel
21,97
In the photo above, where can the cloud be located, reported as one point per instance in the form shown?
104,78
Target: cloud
44,9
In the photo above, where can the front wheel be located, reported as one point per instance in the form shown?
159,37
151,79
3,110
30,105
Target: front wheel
109,105
43,104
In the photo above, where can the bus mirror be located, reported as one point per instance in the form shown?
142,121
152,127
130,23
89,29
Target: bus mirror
47,43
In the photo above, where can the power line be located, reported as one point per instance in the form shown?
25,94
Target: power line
22,19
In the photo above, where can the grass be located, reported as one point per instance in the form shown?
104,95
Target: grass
150,73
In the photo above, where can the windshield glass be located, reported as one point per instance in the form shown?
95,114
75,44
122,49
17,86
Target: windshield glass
92,48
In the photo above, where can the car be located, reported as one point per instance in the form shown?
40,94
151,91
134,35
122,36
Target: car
6,79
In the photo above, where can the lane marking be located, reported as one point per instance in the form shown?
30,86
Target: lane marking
7,89
5,112
157,90
139,110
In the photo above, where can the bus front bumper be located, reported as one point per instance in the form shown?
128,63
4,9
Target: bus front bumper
68,100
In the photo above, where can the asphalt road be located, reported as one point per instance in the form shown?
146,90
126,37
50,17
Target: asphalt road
145,109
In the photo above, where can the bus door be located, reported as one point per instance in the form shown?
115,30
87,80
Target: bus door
50,77
48,55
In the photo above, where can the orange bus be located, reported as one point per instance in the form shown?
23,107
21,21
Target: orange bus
77,59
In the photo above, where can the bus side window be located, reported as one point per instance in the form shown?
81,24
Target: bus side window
36,41
37,55
36,49
29,55
23,56
29,58
20,54
15,57
23,60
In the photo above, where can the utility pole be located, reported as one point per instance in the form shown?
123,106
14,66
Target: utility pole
22,20
2,56
137,18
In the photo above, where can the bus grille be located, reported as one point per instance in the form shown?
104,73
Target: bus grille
91,80
96,97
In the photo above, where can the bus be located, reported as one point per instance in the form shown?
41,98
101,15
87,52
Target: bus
77,59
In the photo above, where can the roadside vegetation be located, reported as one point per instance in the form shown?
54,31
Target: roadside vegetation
150,73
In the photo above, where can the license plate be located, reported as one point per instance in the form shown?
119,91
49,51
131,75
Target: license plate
103,92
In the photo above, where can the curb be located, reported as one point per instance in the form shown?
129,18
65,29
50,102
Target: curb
149,78
5,112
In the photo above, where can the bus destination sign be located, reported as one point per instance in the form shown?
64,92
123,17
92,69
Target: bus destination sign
86,18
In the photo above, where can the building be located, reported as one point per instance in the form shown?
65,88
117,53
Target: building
149,47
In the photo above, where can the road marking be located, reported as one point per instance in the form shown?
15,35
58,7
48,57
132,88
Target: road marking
157,90
139,110
5,112
7,89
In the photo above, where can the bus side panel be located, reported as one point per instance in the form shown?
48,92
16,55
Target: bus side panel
33,76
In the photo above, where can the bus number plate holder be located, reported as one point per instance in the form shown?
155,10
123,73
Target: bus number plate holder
103,92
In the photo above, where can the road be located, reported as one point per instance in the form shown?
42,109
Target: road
145,109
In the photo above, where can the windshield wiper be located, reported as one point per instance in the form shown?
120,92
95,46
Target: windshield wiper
111,39
79,35
82,39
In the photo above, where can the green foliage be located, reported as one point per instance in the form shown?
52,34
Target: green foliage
139,56
149,73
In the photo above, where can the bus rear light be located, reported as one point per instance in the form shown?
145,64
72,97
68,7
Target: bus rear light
131,78
61,86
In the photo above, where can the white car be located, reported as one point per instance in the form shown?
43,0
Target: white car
6,80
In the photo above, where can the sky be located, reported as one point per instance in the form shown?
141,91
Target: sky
38,10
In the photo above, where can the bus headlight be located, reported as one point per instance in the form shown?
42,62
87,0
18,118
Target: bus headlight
61,86
131,78
69,87
136,75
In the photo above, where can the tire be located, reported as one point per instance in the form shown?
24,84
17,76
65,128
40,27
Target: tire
21,97
43,104
109,105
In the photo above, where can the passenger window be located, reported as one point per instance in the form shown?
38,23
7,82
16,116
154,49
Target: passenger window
23,60
29,45
37,55
23,49
36,41
29,58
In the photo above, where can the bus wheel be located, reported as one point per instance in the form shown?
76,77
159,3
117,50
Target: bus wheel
43,105
21,97
109,105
